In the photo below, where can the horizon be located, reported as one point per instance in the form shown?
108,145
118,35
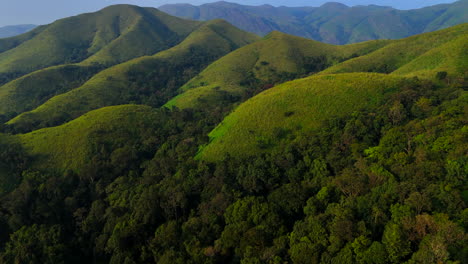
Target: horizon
48,11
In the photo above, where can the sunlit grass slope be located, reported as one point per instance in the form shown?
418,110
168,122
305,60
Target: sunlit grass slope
294,108
402,52
451,57
71,146
128,82
32,90
110,36
276,58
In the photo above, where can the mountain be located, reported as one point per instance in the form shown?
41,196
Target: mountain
11,31
423,56
275,59
121,123
295,108
333,23
108,37
445,48
151,79
219,146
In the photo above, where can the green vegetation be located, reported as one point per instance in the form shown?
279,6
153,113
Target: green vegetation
333,23
13,159
294,108
151,80
256,166
74,144
402,52
381,185
32,90
275,59
110,36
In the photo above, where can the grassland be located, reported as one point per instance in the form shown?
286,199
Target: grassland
32,90
402,52
294,108
276,58
141,79
72,145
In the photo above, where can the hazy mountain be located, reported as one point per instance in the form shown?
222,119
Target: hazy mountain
11,31
333,23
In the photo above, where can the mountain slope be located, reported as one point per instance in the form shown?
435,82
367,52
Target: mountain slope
32,90
276,58
150,80
402,52
11,31
332,22
293,109
70,146
112,35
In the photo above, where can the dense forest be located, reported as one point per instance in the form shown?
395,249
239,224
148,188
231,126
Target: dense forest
387,186
223,147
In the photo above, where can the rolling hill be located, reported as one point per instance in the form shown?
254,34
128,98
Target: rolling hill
404,56
276,58
32,90
146,80
11,31
293,109
70,146
110,36
332,22
278,149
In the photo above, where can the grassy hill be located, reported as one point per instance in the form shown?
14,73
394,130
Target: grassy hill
406,53
110,36
11,31
332,22
32,90
294,108
276,58
147,80
72,145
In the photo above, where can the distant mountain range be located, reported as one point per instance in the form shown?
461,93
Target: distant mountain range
332,23
11,31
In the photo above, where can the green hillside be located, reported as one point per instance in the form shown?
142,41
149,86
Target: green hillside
402,52
110,36
294,108
451,57
276,58
279,150
32,90
72,145
147,80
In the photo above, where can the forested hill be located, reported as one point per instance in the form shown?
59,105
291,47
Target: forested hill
332,22
132,136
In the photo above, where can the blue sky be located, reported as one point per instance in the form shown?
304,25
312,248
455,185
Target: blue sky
14,12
